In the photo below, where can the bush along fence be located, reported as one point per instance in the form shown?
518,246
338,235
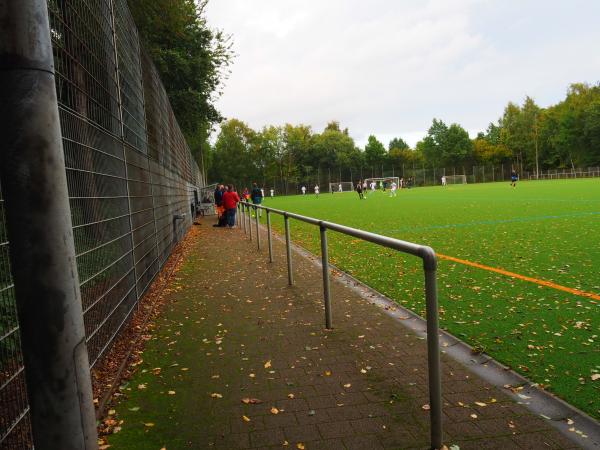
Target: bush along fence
131,182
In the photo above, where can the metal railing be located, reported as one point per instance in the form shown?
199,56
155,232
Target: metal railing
429,267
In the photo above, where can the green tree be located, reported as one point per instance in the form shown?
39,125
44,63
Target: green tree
235,154
192,61
398,143
375,153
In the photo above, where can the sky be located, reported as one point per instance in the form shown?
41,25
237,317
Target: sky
388,67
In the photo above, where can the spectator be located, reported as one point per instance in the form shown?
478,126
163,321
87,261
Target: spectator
257,197
230,201
219,205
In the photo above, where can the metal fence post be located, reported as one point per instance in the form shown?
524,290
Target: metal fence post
288,248
249,222
325,264
39,228
433,347
269,236
257,229
244,218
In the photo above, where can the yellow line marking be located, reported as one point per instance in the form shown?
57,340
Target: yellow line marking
549,284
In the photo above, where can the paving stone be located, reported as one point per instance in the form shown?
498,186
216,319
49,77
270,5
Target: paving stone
228,285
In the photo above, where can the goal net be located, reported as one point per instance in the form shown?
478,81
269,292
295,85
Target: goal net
383,183
456,179
342,186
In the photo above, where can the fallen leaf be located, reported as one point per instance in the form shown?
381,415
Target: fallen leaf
596,376
480,404
347,385
291,395
246,418
363,371
149,424
570,422
251,401
328,373
274,410
268,364
216,395
171,392
473,416
300,446
426,407
134,409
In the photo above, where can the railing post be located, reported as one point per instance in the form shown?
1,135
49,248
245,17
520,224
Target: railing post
249,222
433,348
257,229
39,228
325,264
244,217
288,248
269,236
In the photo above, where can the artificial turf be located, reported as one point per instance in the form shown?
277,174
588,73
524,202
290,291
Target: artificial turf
548,230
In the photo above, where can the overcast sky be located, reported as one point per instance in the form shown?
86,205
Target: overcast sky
387,67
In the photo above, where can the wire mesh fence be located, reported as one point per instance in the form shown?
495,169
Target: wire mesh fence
129,171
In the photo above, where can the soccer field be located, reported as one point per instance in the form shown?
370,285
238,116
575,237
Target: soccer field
543,231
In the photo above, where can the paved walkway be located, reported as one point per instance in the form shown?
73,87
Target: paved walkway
233,332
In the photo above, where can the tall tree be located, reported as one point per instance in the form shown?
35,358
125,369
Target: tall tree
375,153
234,158
192,61
398,143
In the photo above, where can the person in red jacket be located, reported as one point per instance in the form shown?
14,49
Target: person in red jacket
230,201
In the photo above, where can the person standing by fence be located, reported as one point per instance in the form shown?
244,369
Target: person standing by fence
257,197
230,201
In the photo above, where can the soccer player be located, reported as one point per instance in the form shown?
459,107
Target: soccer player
364,186
373,186
340,187
272,192
444,180
359,190
393,189
317,190
513,178
303,190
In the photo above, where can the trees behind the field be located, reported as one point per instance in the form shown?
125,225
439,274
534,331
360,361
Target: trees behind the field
526,138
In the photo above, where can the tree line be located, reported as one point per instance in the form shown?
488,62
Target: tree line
526,137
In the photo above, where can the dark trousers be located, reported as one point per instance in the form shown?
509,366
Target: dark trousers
231,216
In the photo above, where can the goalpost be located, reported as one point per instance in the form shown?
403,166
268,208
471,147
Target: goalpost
387,180
456,179
342,186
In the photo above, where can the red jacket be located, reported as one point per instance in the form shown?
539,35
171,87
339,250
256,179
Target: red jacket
230,200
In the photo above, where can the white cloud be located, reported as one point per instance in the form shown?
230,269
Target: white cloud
388,67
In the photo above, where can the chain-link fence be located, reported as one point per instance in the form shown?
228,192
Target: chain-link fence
129,171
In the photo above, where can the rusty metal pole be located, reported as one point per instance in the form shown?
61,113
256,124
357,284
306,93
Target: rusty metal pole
38,221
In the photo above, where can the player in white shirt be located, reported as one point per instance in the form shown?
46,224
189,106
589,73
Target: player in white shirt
373,186
365,187
303,190
340,187
272,192
444,180
317,190
393,189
